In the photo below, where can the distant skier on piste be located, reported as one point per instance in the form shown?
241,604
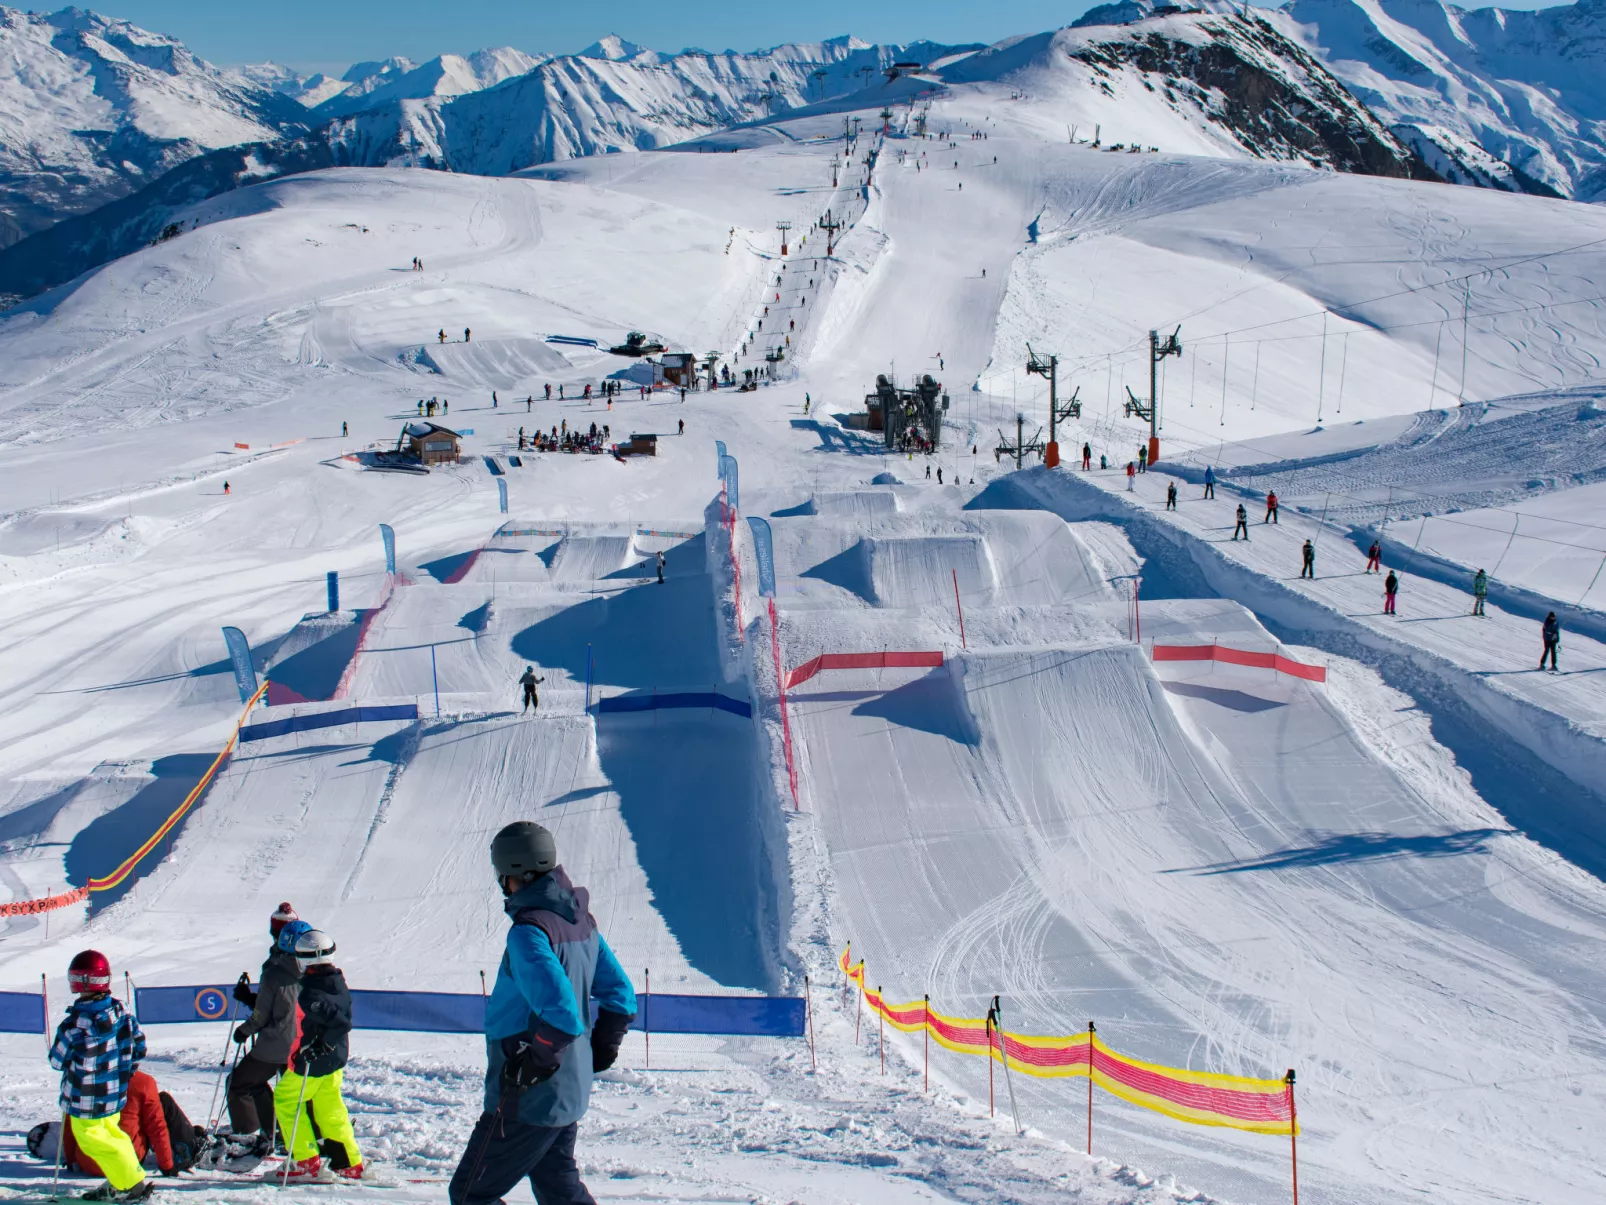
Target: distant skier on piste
1271,508
98,1046
660,568
1243,523
529,681
1307,567
317,1070
273,1024
1550,632
1171,495
1480,591
1374,558
1391,590
539,1066
1210,482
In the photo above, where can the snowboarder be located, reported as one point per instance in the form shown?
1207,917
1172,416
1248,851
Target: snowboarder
1551,633
660,568
1391,587
441,334
1171,496
273,1023
1480,591
1210,482
529,681
97,1048
536,1083
1131,472
1087,458
1374,558
1243,523
1271,508
467,334
317,1069
1307,566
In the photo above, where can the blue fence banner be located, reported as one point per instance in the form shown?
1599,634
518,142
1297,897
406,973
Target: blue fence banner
387,533
764,551
22,1012
458,1012
245,674
332,581
668,535
328,719
719,462
728,471
698,700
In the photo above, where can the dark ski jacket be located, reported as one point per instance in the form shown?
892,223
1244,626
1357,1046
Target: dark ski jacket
1551,629
273,1019
555,965
1391,584
325,1022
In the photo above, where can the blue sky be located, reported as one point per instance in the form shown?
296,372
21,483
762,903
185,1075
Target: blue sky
328,35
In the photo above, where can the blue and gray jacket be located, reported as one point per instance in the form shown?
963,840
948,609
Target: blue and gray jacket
97,1047
556,963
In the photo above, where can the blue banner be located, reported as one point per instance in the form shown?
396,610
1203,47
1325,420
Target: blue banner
658,702
719,461
245,674
764,553
328,719
387,533
22,1012
728,472
501,493
453,1012
332,580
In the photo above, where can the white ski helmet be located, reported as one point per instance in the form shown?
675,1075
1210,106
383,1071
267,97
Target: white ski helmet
314,948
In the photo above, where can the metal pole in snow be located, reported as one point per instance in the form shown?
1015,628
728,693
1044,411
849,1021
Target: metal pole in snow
646,1016
435,677
958,606
588,679
1293,1135
808,1006
881,1015
926,1034
1003,1045
1090,1032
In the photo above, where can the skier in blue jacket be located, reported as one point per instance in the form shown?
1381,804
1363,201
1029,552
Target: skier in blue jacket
541,1045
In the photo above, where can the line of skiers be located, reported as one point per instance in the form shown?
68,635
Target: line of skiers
542,1047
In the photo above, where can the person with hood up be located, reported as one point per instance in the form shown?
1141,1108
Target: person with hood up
273,1024
542,1048
1480,591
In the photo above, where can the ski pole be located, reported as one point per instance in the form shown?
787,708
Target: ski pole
1003,1045
222,1063
55,1177
295,1126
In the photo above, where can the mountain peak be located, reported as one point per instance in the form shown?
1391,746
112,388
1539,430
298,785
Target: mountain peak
613,48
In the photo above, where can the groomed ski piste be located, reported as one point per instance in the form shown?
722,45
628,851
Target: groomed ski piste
1389,881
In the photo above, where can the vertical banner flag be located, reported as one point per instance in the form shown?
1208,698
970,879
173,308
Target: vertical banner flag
387,533
719,462
764,552
501,493
245,674
728,471
333,581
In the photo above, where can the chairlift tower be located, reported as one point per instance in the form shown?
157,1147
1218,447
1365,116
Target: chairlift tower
1021,446
783,227
830,225
1048,366
1158,351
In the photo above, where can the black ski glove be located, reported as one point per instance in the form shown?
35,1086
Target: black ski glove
243,992
240,1034
606,1036
533,1057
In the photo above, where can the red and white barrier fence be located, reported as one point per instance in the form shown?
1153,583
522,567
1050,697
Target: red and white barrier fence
1218,652
861,661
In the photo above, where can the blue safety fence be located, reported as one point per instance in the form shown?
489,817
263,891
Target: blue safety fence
328,719
451,1012
22,1012
657,702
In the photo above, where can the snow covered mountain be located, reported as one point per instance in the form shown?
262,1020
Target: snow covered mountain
92,108
1495,97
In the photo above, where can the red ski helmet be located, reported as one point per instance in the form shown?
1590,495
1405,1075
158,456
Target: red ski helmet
89,972
281,918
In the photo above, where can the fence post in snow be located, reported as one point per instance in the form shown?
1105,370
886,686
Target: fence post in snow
1090,1032
435,678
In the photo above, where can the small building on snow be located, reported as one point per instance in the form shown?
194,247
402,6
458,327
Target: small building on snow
431,443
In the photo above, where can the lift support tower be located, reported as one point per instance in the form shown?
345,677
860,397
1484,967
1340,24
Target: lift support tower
1157,352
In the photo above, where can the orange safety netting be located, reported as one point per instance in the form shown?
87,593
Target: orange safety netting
1264,1106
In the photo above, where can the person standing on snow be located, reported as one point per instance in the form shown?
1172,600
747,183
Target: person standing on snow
1271,508
318,1069
1143,458
467,334
1210,482
538,1066
273,1023
1171,496
1551,633
1308,565
1087,457
441,334
1131,470
529,681
1391,587
1480,591
342,430
1374,558
660,567
1243,523
98,1046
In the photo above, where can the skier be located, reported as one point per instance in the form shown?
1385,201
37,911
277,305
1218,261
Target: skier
1551,633
1243,523
1143,458
493,399
342,430
939,476
1480,591
529,681
1271,508
317,1069
660,568
928,472
441,334
1374,558
1307,567
1087,457
446,406
807,400
226,489
1391,587
682,430
1171,496
529,402
549,391
1210,482
97,1048
1104,461
537,1083
467,334
273,1023
1131,470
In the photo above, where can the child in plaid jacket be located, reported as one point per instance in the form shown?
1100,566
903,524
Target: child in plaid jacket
97,1048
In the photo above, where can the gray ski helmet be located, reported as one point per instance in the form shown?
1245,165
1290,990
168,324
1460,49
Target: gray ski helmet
522,849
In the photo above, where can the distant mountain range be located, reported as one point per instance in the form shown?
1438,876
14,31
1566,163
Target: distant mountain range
106,130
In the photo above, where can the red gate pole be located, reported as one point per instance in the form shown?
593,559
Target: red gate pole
958,606
808,1006
1090,1052
1293,1135
786,722
926,1032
